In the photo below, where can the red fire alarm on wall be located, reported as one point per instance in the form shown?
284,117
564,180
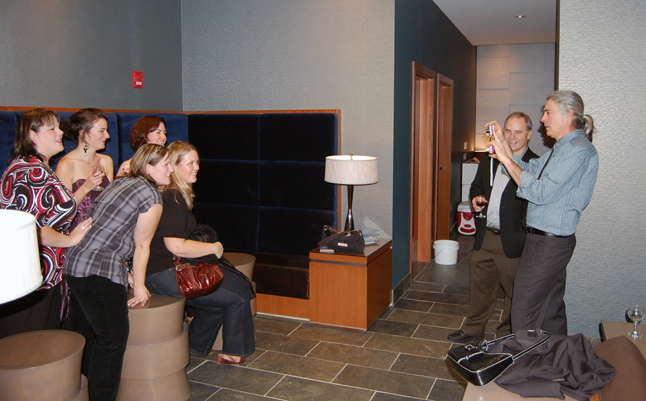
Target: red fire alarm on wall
137,79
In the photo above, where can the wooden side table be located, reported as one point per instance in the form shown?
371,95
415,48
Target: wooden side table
612,329
351,290
493,392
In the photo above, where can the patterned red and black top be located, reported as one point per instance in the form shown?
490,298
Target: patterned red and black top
30,186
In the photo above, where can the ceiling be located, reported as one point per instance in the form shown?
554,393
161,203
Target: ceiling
495,22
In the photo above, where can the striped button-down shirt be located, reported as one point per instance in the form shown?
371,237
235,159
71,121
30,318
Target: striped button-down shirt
565,187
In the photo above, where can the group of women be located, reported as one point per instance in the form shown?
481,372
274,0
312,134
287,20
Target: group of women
90,225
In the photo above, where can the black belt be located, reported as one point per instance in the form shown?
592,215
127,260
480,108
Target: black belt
493,230
532,230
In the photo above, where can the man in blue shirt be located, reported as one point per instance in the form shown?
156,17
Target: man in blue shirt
558,186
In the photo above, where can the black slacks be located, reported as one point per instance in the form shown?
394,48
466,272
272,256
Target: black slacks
539,286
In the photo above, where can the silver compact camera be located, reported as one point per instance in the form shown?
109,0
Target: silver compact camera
489,131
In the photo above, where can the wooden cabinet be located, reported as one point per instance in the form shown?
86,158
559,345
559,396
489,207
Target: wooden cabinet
351,290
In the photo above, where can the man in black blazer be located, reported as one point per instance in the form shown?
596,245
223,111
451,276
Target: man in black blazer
500,236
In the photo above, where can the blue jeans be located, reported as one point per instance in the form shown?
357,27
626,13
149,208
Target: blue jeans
99,311
228,307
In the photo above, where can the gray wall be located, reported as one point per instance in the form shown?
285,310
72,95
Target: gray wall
602,57
514,78
293,54
81,53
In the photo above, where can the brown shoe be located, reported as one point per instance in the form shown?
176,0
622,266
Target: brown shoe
221,359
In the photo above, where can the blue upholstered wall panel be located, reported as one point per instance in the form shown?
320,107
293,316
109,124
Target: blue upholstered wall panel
260,173
237,226
297,136
8,121
255,180
227,182
225,136
295,184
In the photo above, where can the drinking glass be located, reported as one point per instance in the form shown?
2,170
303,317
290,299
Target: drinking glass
482,202
635,313
98,169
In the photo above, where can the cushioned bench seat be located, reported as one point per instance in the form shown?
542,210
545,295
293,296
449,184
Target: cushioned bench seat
283,275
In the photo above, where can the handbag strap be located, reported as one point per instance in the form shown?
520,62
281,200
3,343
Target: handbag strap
533,347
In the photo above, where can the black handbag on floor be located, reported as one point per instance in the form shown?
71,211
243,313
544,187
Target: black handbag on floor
479,367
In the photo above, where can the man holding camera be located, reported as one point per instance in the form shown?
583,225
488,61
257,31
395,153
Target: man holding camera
558,187
500,236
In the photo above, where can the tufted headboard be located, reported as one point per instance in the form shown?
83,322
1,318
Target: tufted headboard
261,182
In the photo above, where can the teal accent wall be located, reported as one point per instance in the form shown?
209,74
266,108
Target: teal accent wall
425,35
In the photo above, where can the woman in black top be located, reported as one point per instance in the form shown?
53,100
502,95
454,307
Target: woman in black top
229,307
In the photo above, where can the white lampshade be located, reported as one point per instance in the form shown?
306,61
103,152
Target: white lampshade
20,268
351,170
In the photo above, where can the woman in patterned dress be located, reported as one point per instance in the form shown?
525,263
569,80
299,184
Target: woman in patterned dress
88,128
29,185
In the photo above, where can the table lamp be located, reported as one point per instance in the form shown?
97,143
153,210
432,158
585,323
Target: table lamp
351,170
20,268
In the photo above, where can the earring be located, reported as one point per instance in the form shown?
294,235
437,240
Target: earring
85,148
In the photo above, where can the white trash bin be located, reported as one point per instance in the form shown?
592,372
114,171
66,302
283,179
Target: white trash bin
446,252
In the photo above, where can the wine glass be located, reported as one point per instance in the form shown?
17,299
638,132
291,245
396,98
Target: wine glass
636,314
98,169
482,202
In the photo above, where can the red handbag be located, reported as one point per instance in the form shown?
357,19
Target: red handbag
197,280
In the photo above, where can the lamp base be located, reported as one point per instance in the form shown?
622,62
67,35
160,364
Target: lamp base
349,221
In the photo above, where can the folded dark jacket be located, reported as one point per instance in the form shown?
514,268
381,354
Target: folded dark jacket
565,365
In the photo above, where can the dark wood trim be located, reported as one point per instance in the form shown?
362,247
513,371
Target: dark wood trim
24,108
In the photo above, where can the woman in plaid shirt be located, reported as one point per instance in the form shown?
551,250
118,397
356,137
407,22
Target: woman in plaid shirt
125,217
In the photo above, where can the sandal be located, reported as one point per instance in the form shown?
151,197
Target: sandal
223,359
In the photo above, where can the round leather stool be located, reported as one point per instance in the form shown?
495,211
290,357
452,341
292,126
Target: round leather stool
42,365
243,262
157,352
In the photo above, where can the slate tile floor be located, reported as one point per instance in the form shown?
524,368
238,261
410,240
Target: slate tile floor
399,358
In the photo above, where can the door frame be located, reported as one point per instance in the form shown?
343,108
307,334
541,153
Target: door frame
431,143
444,145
